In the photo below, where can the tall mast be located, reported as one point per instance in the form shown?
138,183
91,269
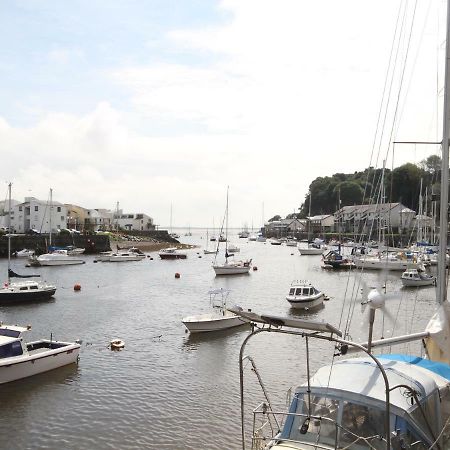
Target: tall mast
51,214
226,226
9,229
443,219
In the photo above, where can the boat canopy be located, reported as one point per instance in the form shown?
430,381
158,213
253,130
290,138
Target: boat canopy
368,379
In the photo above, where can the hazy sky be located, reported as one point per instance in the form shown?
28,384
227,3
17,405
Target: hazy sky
158,102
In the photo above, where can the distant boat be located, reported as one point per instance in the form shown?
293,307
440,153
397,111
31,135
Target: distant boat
416,278
172,253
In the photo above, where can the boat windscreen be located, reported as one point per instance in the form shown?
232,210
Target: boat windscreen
9,333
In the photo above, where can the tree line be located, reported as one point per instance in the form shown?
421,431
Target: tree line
402,184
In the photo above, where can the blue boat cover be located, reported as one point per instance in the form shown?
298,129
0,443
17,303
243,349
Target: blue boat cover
439,368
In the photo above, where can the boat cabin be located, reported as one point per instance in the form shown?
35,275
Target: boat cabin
350,412
11,343
302,288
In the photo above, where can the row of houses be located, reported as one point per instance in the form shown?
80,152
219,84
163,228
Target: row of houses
34,215
356,219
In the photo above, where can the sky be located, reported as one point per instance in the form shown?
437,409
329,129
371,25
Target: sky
160,104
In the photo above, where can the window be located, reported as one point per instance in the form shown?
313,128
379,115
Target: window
36,208
58,209
12,349
62,218
20,208
292,291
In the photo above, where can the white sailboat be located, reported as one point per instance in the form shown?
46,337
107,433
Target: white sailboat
230,267
388,401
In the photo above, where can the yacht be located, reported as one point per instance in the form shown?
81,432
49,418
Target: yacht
58,258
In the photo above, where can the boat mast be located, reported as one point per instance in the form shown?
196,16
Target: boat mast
9,229
226,227
50,221
443,219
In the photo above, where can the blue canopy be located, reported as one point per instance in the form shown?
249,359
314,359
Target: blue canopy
439,368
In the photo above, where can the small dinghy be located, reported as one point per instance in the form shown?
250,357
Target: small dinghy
116,344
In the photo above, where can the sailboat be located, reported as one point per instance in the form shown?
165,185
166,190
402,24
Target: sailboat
315,248
229,267
58,257
23,290
387,401
206,250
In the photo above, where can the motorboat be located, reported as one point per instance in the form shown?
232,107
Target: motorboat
24,253
275,241
19,359
103,256
126,256
74,251
117,344
172,253
291,243
232,248
219,319
311,249
58,258
303,295
253,237
260,238
417,278
244,234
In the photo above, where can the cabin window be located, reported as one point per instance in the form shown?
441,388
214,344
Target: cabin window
33,287
298,291
9,333
12,349
291,291
23,288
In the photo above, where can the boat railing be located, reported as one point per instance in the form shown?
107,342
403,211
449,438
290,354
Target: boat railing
264,432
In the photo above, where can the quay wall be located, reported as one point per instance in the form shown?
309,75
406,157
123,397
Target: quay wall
93,243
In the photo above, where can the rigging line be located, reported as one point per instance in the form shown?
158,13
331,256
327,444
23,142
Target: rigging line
402,78
416,57
381,103
391,84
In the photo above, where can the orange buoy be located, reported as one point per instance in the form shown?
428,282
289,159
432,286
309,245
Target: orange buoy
255,268
77,287
177,275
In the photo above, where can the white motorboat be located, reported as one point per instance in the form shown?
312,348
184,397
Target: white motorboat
30,290
58,258
303,295
125,256
19,359
219,319
103,256
275,241
232,248
24,253
417,278
253,237
172,253
74,251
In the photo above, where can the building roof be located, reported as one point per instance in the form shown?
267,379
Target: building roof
320,217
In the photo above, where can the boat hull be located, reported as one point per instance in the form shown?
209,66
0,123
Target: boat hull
60,262
310,251
178,256
300,302
231,270
210,323
38,363
14,296
418,283
383,264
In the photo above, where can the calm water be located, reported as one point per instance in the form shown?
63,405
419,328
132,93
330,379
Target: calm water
168,390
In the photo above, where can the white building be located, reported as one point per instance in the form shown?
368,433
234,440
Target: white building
34,214
135,222
100,219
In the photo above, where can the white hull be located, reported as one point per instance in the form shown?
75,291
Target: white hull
212,322
15,368
123,258
231,270
384,264
69,261
310,251
305,303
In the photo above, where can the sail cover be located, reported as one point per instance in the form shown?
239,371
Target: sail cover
12,274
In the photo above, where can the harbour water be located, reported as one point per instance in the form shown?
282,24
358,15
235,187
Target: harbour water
166,389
